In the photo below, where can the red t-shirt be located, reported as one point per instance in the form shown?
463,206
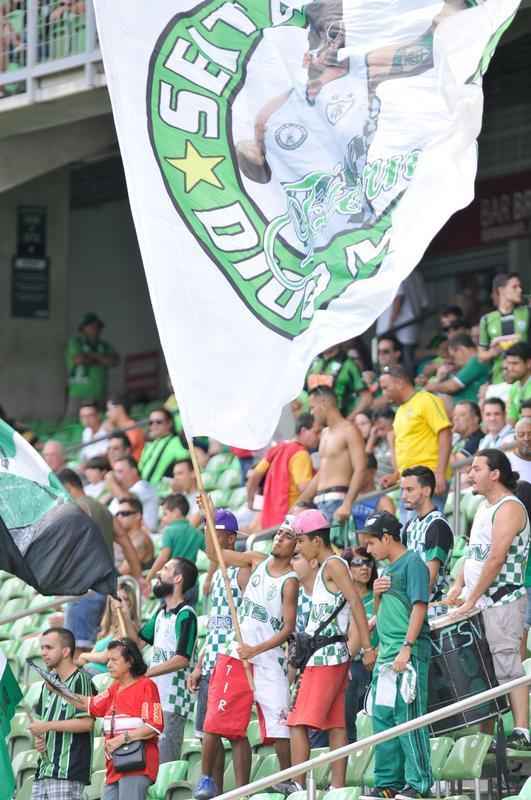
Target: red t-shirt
134,706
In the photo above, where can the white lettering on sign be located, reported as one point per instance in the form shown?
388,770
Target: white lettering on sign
229,228
188,111
222,705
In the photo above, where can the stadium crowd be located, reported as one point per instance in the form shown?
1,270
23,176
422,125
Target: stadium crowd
363,552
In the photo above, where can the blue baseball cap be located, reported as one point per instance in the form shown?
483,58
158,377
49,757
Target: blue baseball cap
225,520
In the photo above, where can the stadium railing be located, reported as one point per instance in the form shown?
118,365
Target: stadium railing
35,44
308,767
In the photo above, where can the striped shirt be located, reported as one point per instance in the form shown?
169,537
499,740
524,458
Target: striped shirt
68,755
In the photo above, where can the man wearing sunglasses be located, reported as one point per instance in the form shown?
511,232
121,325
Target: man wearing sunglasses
162,450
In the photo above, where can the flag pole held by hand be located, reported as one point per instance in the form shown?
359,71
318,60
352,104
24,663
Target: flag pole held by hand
211,531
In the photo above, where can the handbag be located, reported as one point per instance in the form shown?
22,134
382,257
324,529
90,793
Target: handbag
128,757
302,646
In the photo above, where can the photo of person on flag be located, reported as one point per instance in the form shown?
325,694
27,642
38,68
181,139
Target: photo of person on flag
331,120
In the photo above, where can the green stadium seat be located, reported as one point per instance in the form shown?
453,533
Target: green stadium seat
98,754
229,778
169,774
209,480
466,759
238,498
230,479
32,694
220,497
266,767
97,784
30,648
440,749
526,665
302,795
347,793
449,504
24,766
12,606
268,796
357,766
457,567
220,462
253,734
470,504
190,746
25,626
19,738
14,587
24,793
102,681
202,561
363,725
321,774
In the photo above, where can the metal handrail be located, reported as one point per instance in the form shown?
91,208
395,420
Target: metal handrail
375,739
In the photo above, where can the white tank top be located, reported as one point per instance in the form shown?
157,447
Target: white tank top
323,604
260,612
513,570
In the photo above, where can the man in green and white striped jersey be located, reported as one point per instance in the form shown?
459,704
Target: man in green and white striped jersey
63,735
428,532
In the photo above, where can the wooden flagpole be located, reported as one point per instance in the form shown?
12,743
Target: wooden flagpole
211,531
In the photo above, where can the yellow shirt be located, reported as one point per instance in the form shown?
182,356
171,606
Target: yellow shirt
416,426
300,470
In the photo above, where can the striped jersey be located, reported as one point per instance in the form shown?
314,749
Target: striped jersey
68,755
219,619
304,606
431,537
324,603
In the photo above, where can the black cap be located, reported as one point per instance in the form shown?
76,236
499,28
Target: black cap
382,522
89,318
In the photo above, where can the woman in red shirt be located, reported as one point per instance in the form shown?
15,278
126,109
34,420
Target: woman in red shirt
131,711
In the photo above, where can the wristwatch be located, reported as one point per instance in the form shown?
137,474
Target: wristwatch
407,643
126,737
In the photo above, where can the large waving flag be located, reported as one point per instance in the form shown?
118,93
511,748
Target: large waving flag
10,697
288,163
45,538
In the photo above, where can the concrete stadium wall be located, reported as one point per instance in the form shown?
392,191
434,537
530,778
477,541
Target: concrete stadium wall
106,276
32,350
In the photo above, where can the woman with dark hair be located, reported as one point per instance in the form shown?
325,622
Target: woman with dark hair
364,572
131,712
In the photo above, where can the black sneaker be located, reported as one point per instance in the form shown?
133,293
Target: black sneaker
518,741
380,793
409,793
287,787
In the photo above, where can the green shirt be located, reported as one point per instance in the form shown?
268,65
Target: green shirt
473,375
495,324
344,377
68,755
518,393
88,381
183,540
410,584
159,456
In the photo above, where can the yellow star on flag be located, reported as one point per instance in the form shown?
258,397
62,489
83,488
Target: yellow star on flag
197,168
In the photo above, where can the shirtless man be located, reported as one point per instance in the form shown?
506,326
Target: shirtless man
343,464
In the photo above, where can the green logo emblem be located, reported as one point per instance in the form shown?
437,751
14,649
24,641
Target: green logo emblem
287,266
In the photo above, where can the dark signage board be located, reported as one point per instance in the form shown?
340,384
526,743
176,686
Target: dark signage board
30,270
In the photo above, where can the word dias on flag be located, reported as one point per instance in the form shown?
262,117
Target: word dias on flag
288,163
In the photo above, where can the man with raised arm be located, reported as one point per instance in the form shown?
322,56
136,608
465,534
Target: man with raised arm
342,470
267,617
320,702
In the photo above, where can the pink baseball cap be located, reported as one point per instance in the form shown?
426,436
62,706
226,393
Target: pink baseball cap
310,521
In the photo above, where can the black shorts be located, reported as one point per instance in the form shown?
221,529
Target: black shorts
201,703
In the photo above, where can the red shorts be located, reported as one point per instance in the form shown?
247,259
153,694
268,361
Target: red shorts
230,699
321,698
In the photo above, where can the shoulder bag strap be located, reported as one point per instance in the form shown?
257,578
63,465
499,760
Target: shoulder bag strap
331,618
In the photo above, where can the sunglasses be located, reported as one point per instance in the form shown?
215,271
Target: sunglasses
125,513
360,562
157,421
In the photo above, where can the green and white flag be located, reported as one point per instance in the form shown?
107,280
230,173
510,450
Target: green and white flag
45,538
10,697
288,163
